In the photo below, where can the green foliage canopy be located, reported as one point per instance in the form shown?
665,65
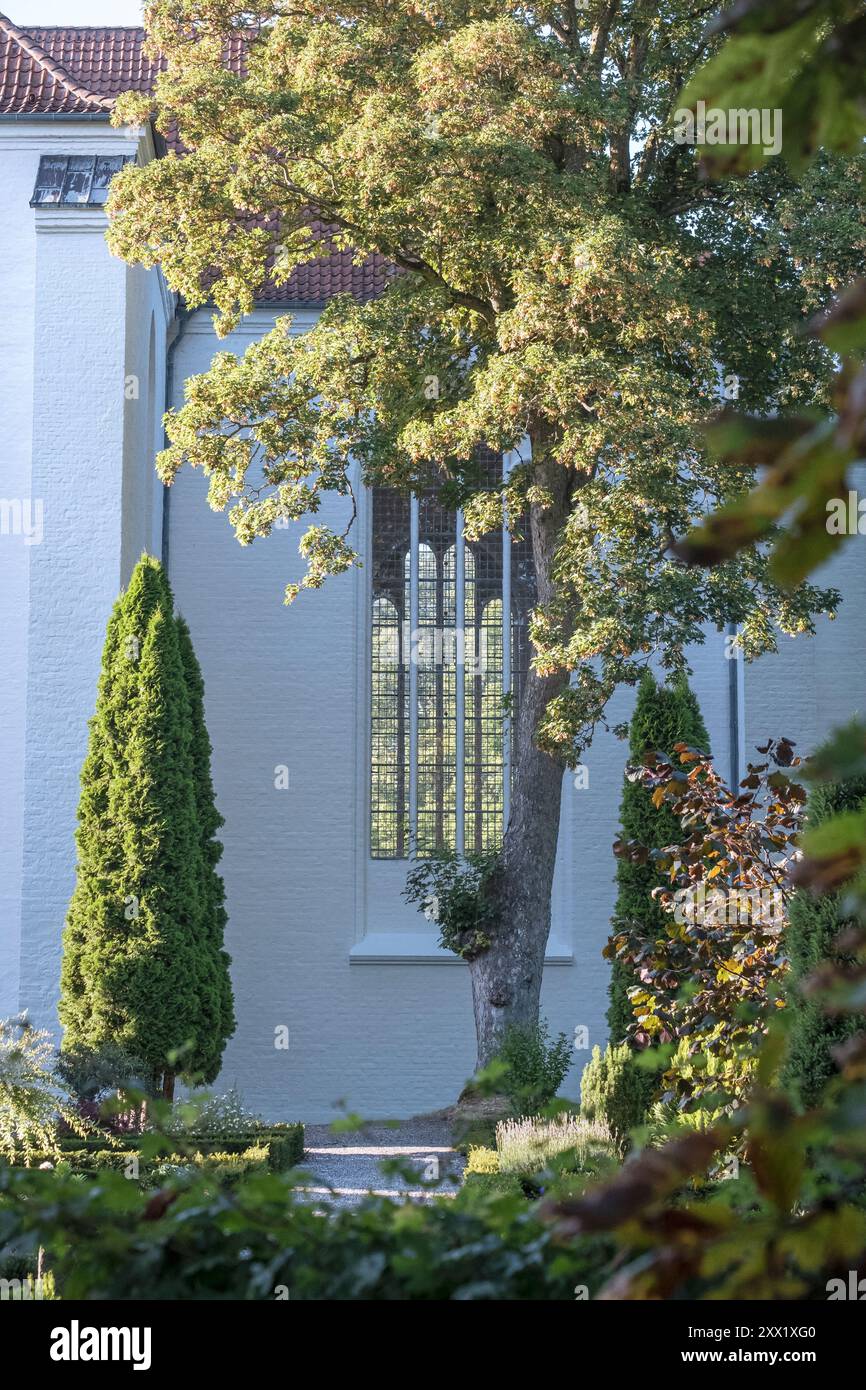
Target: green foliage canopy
562,274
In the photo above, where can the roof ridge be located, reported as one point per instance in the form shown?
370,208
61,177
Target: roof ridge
50,65
85,28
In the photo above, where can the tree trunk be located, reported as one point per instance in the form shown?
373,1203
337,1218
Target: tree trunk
506,978
168,1086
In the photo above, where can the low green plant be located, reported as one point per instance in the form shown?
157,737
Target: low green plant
481,1185
206,1115
535,1065
616,1091
285,1147
223,1168
203,1124
91,1073
666,1122
482,1160
452,890
32,1099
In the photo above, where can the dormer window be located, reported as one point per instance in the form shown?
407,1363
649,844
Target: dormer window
75,180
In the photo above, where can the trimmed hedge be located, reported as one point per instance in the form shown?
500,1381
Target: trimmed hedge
494,1185
222,1166
281,1147
286,1143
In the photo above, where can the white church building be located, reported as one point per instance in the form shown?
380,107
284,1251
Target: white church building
322,942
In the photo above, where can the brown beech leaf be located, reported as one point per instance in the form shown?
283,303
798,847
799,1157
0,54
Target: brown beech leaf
159,1204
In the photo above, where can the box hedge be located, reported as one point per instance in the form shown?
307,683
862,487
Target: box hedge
277,1148
223,1166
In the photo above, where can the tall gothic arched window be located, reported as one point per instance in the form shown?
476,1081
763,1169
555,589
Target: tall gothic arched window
441,662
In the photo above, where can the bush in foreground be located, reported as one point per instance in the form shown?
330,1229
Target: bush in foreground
257,1240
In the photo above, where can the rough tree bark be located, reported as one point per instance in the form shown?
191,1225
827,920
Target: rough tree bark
506,978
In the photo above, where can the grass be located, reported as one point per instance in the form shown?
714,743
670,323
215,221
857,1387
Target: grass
533,1152
529,1143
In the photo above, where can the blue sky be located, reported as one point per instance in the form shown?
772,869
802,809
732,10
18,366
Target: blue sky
72,12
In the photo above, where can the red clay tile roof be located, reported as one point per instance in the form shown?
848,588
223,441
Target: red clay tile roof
32,80
80,71
106,61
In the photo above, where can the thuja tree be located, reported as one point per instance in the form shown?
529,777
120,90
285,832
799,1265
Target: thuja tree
215,996
142,960
565,285
664,715
815,938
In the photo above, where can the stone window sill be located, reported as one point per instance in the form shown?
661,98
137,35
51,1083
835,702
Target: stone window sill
420,948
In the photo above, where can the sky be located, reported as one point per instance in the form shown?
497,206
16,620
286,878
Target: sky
71,12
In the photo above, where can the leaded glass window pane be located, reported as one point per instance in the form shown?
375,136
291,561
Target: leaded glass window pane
459,784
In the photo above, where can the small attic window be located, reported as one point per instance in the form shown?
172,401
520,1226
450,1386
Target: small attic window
75,180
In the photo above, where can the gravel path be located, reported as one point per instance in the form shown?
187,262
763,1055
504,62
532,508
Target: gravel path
344,1168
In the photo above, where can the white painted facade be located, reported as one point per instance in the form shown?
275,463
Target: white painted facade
322,943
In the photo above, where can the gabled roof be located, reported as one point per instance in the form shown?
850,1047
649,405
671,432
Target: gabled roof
107,61
71,71
81,71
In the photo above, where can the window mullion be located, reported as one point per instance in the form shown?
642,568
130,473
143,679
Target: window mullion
414,639
506,655
460,685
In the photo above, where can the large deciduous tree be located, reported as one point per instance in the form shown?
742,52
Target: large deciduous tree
564,277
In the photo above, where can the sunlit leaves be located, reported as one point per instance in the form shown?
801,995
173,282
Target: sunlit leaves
567,287
709,972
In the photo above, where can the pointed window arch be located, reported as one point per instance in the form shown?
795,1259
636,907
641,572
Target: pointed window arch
440,666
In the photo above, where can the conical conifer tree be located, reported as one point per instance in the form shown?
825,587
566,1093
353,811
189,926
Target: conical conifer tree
811,939
139,962
663,715
216,990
